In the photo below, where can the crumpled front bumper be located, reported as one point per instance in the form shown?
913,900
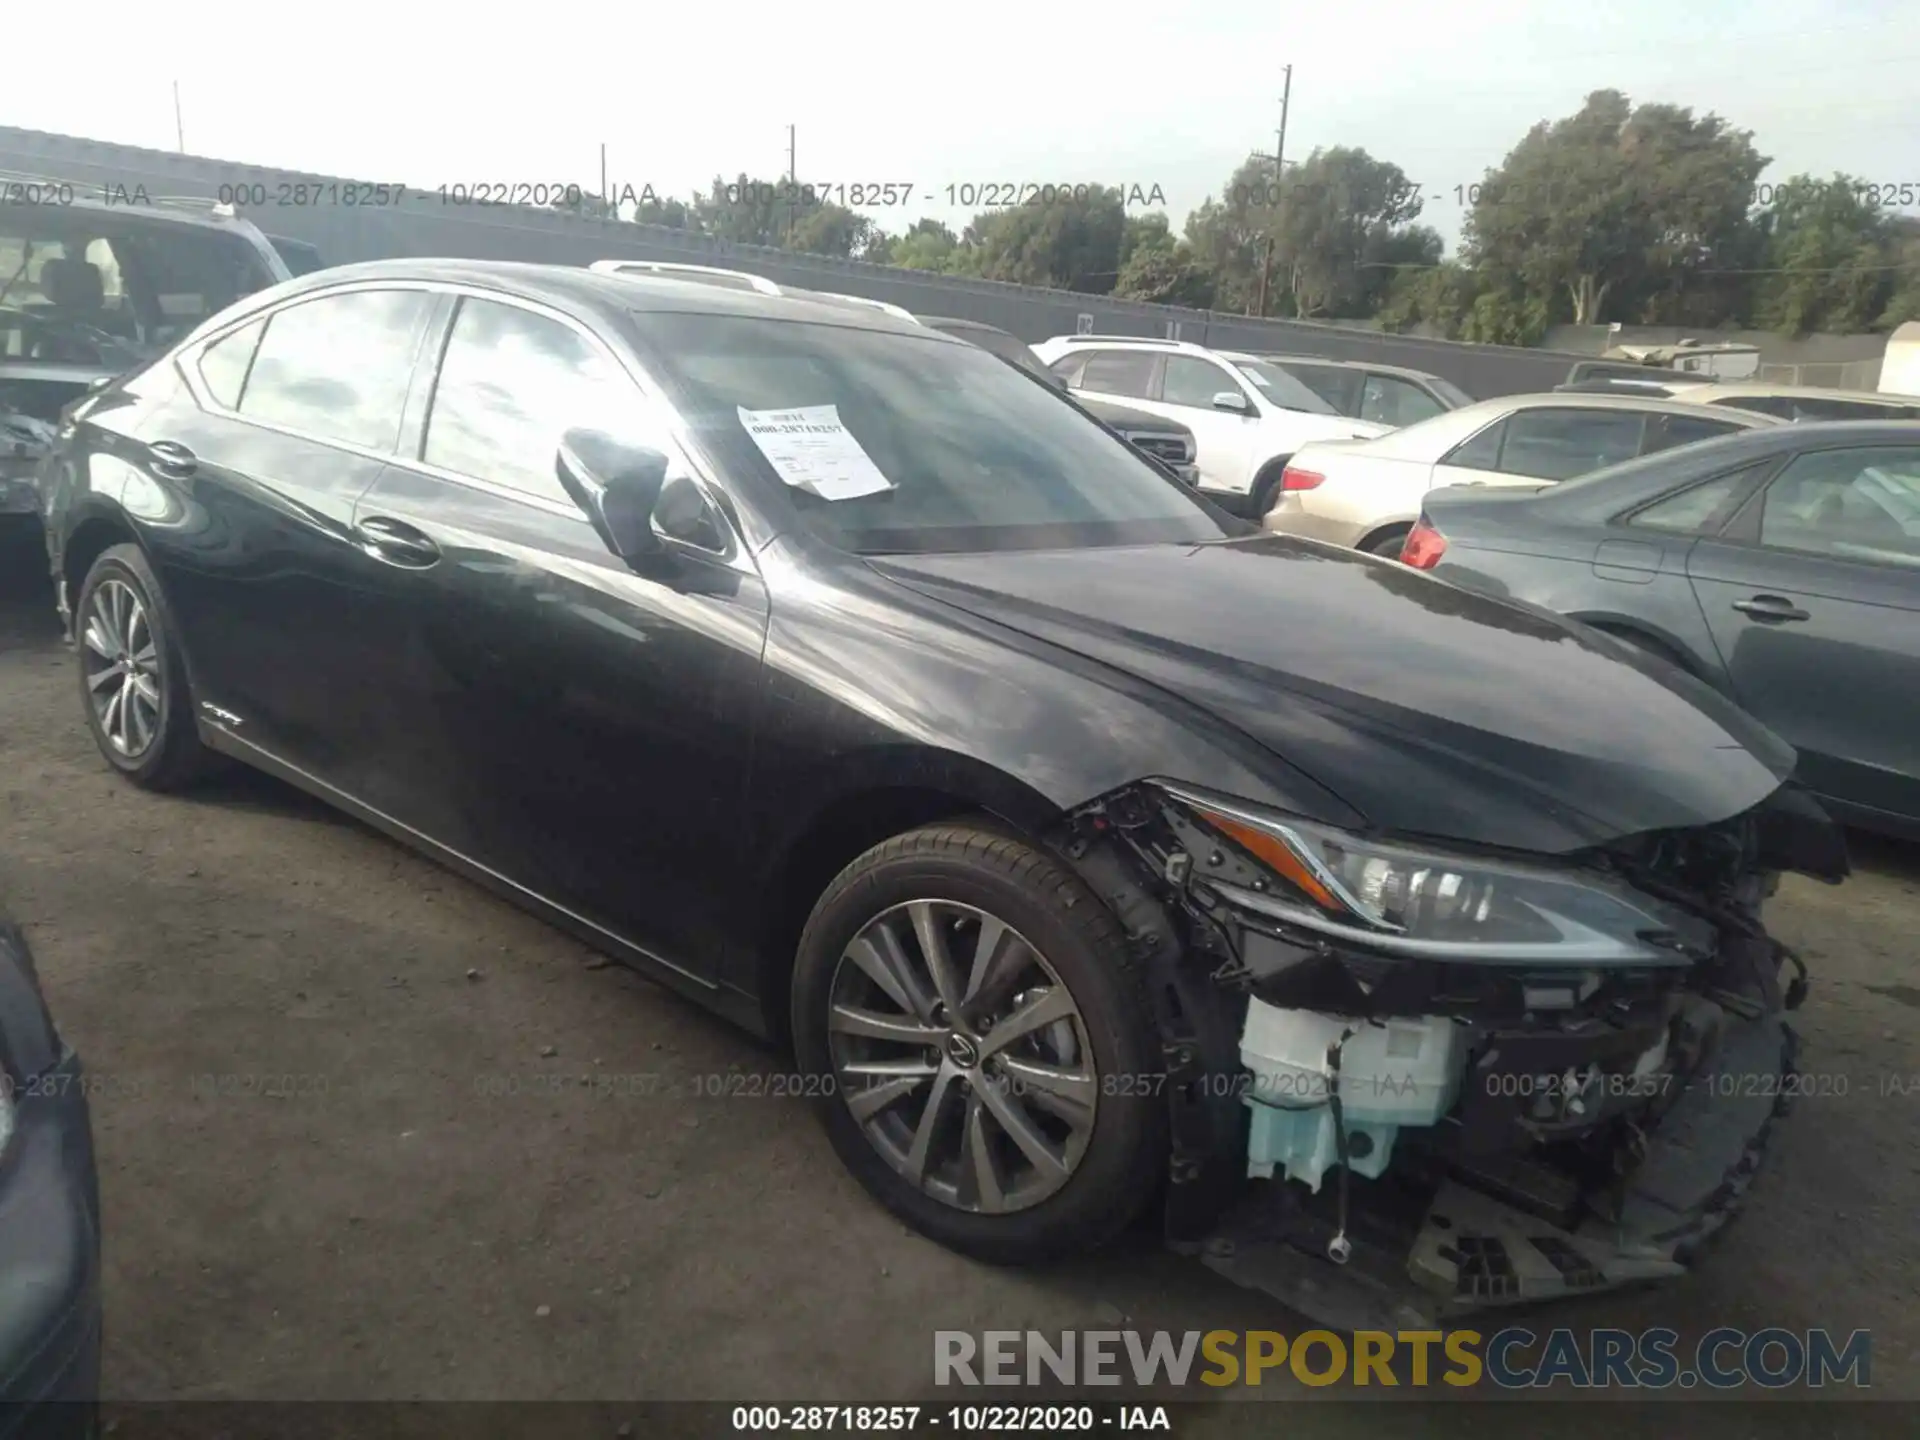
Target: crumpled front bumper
1471,1250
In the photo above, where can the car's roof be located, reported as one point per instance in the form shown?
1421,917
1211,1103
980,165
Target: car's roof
1373,365
1577,400
1811,392
73,199
1428,439
638,292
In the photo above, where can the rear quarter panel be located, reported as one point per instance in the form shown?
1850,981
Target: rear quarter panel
1612,577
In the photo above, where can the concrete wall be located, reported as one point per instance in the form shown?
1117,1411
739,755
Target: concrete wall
1774,349
423,225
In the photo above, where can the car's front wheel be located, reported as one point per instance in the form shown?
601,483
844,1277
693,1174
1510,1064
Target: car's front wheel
982,1044
133,682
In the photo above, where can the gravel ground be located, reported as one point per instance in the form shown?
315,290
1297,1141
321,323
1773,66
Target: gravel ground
473,1181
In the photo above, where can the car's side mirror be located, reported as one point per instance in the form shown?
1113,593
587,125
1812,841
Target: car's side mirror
618,484
1231,400
98,383
682,516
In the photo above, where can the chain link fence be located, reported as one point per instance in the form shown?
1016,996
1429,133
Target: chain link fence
1825,374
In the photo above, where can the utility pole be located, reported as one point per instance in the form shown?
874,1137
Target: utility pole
793,183
179,128
1279,158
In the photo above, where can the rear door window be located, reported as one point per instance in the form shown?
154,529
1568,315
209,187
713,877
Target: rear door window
1482,452
338,367
1119,372
1339,387
1665,432
1851,504
1389,400
1556,444
224,364
1703,508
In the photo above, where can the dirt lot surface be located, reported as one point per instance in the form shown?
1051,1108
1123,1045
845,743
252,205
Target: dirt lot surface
434,1205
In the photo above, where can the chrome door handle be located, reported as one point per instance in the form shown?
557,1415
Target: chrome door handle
171,459
1771,607
396,542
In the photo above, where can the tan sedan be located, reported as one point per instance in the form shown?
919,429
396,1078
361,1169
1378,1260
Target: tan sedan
1367,493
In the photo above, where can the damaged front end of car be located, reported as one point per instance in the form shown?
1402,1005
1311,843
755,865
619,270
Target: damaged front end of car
1407,1080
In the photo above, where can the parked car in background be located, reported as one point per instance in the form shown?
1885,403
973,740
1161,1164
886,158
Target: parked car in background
1248,418
1781,566
301,258
1387,394
49,1216
1166,441
1367,494
1586,372
1800,402
90,289
820,667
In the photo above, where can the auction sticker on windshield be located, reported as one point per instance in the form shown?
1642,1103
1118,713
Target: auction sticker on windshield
812,450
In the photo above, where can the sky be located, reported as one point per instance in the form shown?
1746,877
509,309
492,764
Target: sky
1013,92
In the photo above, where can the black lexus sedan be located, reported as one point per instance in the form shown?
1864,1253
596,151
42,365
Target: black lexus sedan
49,1216
1090,852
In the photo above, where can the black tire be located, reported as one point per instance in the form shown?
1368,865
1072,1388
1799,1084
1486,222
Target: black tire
1389,543
173,756
1266,485
1045,902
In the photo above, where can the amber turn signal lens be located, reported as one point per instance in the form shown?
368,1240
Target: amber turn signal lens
1277,856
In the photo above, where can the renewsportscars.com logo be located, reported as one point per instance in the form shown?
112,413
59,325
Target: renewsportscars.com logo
1512,1359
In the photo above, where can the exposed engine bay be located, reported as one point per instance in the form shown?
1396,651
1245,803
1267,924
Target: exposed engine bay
1408,1081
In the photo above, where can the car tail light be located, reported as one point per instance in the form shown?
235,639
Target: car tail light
1425,545
1292,479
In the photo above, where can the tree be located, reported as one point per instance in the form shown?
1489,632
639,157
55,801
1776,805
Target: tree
747,211
1903,300
1326,240
1071,241
1229,235
1831,252
929,245
1167,275
1613,200
825,229
670,211
1341,214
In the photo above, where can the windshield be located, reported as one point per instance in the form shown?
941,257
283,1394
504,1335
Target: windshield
938,446
1451,392
1282,389
104,292
1010,348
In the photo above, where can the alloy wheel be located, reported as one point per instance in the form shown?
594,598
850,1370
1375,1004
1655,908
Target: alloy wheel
122,661
963,1056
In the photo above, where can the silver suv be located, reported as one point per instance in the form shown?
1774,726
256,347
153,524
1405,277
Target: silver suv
91,288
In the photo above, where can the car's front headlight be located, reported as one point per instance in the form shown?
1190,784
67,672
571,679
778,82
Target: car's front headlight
1427,903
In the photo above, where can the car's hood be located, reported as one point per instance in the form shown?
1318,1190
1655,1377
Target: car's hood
1125,415
1430,709
1341,429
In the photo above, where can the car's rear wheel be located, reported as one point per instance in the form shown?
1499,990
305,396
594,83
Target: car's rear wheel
1266,487
982,1043
1388,543
133,683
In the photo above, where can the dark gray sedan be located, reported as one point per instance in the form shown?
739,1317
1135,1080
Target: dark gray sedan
1780,566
